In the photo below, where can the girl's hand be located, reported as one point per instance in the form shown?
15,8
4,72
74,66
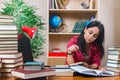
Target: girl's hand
73,48
93,66
85,64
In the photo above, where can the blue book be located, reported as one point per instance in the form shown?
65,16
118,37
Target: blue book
33,65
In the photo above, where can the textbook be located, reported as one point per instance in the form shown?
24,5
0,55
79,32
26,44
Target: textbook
91,72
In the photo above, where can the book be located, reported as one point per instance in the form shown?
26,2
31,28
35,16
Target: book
11,55
114,48
6,74
11,65
56,4
12,60
9,69
9,20
113,64
33,65
114,52
4,16
8,36
115,69
113,61
8,32
29,74
114,57
8,51
63,70
8,27
91,72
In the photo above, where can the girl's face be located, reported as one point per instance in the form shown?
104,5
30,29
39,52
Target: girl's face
91,34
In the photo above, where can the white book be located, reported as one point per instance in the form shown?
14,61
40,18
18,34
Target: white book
113,65
9,36
114,57
12,60
8,27
8,42
8,32
6,16
6,20
10,55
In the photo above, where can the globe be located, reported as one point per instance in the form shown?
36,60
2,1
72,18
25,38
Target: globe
55,21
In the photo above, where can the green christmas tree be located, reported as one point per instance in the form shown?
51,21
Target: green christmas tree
24,15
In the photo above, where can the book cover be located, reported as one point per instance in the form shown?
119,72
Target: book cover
91,72
28,74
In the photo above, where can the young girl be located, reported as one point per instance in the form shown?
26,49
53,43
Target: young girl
88,46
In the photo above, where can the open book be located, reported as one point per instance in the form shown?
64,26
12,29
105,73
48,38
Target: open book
91,72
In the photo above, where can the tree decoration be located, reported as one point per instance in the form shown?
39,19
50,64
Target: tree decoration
24,15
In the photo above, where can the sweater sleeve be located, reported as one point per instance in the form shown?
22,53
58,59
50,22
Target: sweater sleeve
72,41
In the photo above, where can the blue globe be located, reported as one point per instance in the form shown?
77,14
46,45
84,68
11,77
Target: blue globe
55,21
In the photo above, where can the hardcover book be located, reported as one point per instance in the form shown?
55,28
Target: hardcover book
28,74
11,65
12,60
33,65
10,55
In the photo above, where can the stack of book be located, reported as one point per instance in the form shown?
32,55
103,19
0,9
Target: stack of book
33,70
113,60
11,58
78,27
8,34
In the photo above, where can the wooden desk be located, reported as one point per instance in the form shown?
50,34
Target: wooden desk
74,78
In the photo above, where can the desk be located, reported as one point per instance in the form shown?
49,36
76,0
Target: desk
74,78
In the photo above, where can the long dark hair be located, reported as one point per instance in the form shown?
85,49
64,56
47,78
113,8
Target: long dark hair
99,41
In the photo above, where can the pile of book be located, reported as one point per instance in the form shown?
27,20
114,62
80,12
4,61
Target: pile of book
113,60
78,27
10,57
32,70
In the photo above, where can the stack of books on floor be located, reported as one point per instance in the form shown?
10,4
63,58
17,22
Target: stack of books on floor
33,70
113,60
11,58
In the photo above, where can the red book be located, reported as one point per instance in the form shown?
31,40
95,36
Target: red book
28,74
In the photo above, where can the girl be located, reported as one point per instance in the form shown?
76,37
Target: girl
88,46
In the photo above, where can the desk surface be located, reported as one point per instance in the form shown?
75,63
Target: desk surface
74,78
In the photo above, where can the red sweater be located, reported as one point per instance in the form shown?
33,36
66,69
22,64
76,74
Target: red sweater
94,53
